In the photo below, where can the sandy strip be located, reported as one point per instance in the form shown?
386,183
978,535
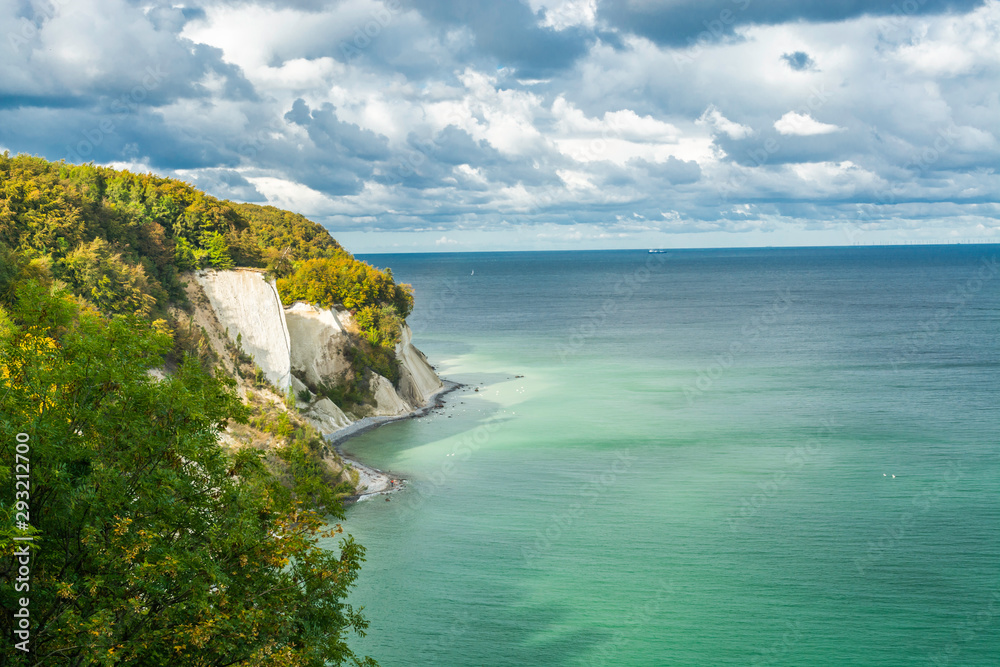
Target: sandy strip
372,481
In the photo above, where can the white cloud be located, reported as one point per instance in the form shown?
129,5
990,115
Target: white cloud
562,14
575,180
714,118
954,45
802,125
577,143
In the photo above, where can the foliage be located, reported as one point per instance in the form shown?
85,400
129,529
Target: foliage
154,546
121,240
274,228
107,280
342,280
380,324
352,392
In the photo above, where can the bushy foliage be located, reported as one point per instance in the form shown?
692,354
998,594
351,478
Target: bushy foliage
51,209
342,280
121,239
107,280
152,544
381,324
284,230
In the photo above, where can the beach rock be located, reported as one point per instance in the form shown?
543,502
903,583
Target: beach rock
326,416
387,402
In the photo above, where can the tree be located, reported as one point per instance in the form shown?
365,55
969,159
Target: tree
218,250
108,281
153,545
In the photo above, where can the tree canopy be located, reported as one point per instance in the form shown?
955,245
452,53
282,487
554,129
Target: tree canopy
122,238
152,544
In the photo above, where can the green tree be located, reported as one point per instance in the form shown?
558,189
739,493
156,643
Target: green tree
108,281
153,545
218,250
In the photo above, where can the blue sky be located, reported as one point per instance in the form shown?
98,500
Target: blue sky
413,125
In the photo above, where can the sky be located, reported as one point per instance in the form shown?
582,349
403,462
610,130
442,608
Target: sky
469,125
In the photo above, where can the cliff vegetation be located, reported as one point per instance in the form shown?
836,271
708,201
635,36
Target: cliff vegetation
177,498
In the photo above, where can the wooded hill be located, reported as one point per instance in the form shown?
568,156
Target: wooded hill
153,544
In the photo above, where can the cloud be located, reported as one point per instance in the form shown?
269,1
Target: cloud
443,118
802,125
509,32
714,118
687,22
799,61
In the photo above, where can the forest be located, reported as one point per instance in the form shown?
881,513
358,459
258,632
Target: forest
152,543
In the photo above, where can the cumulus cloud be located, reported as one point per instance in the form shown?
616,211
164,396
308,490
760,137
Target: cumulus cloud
450,118
714,118
802,125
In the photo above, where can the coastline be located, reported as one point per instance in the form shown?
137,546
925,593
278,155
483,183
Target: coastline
375,481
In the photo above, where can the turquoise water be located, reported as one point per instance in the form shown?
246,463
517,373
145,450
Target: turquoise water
697,466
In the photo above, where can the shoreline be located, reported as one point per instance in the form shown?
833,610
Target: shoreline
374,481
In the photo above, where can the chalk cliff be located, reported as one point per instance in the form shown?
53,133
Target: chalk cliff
310,341
417,380
249,307
319,341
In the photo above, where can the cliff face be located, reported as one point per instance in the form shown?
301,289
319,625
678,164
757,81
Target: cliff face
319,341
417,380
250,309
309,340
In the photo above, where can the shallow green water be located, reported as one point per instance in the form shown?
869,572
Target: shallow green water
611,508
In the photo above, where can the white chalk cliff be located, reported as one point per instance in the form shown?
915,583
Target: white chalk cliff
417,380
249,307
312,342
318,343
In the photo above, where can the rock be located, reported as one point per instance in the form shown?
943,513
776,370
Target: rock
318,341
250,309
326,416
387,402
417,379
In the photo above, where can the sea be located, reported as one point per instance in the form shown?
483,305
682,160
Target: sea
780,456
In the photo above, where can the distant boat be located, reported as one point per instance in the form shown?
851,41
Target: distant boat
473,272
658,250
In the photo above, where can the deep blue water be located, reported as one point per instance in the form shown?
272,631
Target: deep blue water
697,466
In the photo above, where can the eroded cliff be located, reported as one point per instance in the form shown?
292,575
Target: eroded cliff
306,349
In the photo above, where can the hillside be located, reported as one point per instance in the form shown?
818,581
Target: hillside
174,362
